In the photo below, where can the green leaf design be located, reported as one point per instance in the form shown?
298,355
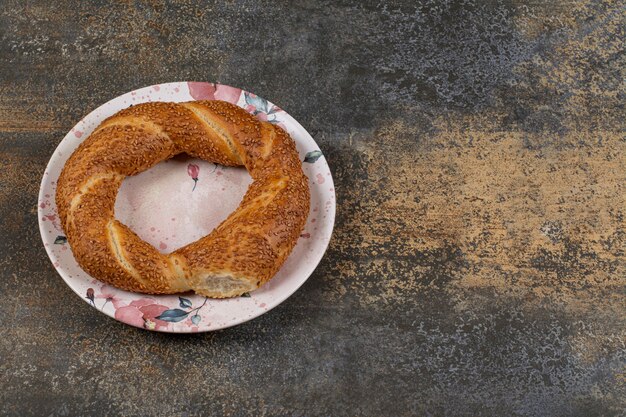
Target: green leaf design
245,295
312,156
184,302
258,102
60,240
173,316
195,319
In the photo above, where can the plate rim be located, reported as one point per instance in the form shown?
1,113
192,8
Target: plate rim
188,330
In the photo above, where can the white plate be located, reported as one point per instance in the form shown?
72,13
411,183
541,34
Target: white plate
162,206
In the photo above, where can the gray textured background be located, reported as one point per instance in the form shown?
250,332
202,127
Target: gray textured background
477,265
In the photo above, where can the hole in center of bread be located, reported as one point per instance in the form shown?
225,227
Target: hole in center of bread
163,208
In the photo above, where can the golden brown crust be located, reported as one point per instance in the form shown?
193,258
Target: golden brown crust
241,254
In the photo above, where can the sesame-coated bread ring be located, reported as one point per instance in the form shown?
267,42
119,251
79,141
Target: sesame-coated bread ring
241,254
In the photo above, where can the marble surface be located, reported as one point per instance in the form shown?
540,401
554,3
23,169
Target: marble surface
477,265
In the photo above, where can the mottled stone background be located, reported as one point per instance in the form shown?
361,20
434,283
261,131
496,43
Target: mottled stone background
478,263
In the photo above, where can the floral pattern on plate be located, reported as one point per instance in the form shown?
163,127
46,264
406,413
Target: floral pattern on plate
188,213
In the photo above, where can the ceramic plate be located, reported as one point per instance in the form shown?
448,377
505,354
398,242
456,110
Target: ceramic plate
180,200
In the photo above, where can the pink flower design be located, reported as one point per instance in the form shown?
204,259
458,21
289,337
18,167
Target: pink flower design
201,91
108,294
90,296
227,93
142,313
130,315
210,91
193,170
